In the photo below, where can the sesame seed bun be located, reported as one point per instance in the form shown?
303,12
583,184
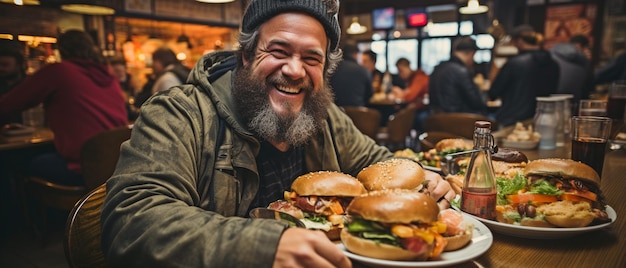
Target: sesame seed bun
394,173
565,168
327,183
395,206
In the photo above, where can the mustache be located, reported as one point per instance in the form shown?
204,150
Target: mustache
279,79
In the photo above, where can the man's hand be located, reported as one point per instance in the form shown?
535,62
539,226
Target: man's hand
439,189
300,247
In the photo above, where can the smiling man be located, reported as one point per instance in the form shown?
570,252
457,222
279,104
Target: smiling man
202,155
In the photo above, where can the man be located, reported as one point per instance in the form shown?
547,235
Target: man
576,72
203,154
451,88
530,74
168,70
81,98
368,60
351,82
417,85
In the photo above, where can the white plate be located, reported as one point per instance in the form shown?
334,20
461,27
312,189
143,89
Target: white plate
520,144
541,232
481,242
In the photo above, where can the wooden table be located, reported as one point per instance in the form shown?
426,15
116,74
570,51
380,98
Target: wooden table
40,137
602,248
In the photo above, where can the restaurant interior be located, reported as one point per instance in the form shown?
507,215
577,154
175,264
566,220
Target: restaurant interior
422,31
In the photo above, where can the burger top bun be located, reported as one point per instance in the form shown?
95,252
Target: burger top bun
395,206
509,156
327,183
565,168
390,174
447,144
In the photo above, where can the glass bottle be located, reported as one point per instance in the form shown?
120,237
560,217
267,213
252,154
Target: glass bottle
546,123
479,187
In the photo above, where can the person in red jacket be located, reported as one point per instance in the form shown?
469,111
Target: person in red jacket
81,98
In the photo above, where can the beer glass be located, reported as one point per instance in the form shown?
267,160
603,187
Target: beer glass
589,138
592,108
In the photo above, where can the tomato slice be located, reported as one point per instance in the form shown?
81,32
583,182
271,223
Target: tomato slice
575,198
584,194
531,198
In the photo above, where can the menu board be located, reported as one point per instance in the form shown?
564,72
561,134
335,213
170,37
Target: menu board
565,21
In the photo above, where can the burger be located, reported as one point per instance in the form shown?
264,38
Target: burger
552,193
448,146
395,224
319,200
391,174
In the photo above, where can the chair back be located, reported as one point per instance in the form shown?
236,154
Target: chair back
428,140
400,124
460,124
99,155
82,231
367,120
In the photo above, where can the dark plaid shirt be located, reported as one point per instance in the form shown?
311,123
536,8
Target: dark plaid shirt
276,171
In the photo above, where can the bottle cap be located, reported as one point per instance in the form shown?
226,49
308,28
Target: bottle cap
482,124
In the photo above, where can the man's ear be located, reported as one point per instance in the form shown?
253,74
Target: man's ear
244,59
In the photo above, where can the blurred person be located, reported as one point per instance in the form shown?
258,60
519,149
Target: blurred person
576,73
529,74
368,60
203,154
169,71
613,70
12,72
351,82
120,70
81,98
452,88
416,92
12,66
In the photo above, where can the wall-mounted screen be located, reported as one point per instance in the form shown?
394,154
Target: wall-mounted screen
383,18
416,17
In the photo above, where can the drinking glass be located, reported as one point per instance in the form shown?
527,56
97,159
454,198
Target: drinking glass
592,108
589,138
617,100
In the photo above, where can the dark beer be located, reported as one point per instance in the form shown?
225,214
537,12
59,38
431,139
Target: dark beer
615,107
589,151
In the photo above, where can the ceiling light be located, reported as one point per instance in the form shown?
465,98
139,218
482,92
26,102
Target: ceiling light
356,27
21,2
88,9
215,1
473,7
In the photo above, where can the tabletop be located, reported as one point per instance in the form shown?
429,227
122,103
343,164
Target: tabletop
38,137
602,248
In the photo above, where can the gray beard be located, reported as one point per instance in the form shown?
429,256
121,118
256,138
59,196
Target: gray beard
252,100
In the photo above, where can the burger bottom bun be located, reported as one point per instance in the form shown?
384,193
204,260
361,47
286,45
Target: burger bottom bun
535,223
567,214
375,250
457,241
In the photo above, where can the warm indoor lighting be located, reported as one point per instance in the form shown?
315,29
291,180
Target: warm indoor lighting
6,36
356,27
215,1
88,9
21,2
473,7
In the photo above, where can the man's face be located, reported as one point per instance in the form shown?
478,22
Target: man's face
282,93
8,68
367,62
404,71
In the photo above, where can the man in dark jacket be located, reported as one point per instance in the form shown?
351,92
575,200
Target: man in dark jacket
351,82
233,138
452,88
576,75
530,74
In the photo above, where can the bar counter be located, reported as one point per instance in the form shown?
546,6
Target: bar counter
602,248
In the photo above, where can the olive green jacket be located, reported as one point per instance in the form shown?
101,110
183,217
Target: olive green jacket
181,188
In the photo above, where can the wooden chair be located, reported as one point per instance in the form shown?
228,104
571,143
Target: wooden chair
99,157
82,231
460,124
428,140
398,127
367,120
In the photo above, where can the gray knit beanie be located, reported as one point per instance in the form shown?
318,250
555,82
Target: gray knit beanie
325,11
